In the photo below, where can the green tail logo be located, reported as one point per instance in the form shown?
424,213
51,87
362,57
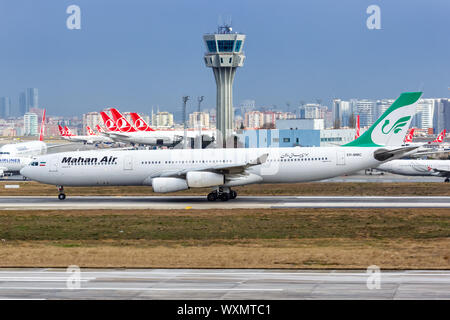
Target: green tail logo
397,127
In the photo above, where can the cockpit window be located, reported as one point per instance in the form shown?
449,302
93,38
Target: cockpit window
34,164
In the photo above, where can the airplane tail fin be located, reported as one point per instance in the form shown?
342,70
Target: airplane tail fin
68,132
61,130
358,128
122,123
99,129
390,128
109,123
140,123
89,131
41,134
440,137
409,136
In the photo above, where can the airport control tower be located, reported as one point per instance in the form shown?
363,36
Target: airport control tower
224,55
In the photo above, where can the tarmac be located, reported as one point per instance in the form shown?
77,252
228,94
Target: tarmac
204,284
200,202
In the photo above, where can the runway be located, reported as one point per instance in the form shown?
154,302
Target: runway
192,284
200,202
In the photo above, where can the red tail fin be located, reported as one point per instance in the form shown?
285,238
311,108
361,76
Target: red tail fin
41,135
109,123
357,128
89,131
409,136
68,132
140,123
122,124
61,130
440,137
100,129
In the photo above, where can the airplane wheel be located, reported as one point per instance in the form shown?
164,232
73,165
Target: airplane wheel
447,180
212,196
224,197
61,196
233,194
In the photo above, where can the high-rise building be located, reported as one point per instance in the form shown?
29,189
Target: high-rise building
91,119
32,98
30,124
162,120
423,119
341,113
310,111
224,55
5,107
441,117
23,104
365,109
199,119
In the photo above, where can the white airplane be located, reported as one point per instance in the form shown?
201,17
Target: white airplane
121,130
90,138
179,169
26,149
437,168
141,125
15,156
425,149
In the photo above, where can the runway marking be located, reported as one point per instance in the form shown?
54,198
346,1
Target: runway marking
141,289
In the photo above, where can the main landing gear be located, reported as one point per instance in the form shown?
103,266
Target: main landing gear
222,193
447,180
61,195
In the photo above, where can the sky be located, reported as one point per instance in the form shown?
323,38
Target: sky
135,54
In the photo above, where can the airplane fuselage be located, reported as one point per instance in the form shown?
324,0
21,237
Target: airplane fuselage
439,168
139,167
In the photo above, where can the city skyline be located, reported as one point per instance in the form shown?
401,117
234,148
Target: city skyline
137,55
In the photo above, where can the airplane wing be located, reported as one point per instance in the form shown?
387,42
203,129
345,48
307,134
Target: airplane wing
425,153
59,145
384,154
441,172
221,168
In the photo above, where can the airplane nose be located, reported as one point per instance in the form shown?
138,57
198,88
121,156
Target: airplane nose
24,172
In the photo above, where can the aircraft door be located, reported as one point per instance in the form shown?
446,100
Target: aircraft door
128,163
53,165
340,158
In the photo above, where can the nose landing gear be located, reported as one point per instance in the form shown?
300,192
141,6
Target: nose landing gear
61,195
222,193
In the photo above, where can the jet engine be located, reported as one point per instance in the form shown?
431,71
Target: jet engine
201,179
163,185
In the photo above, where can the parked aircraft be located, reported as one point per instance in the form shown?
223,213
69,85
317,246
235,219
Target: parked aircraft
121,130
417,167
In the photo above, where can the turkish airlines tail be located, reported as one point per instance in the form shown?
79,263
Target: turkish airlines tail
140,123
109,123
89,131
440,137
41,135
68,132
409,136
61,130
99,129
357,128
122,124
